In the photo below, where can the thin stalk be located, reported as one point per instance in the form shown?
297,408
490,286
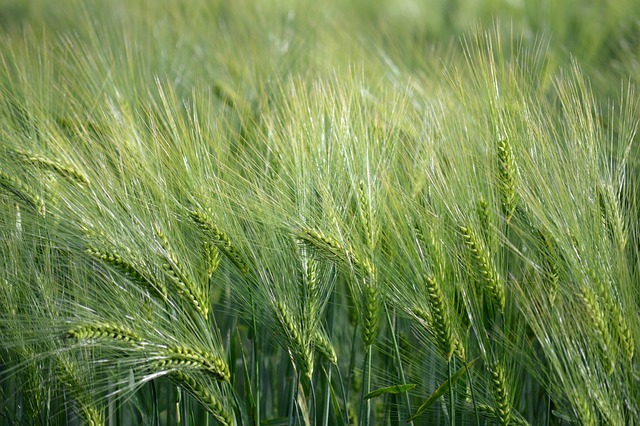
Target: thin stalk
293,394
344,396
312,408
327,396
352,360
452,413
473,395
366,406
154,404
178,399
396,350
256,365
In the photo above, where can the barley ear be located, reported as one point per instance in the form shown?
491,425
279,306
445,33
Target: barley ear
230,98
208,399
610,307
485,266
506,178
612,215
104,331
220,239
182,357
624,335
550,272
184,284
441,322
211,257
68,375
130,270
31,388
311,292
483,212
500,394
365,213
424,317
489,411
582,409
22,191
370,313
324,346
331,248
597,318
427,241
296,344
66,171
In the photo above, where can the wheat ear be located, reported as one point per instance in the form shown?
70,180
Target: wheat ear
176,272
484,264
104,331
181,357
130,270
208,399
220,239
23,191
66,171
506,178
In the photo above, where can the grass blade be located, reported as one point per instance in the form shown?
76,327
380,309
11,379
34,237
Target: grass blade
442,389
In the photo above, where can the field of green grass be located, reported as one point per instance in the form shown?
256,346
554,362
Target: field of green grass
340,212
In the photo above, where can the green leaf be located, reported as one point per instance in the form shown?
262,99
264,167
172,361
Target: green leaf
564,417
391,389
444,388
